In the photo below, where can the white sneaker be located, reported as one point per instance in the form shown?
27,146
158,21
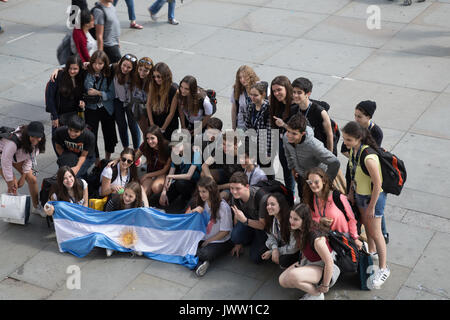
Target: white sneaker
40,211
201,269
153,16
138,253
308,296
380,277
109,252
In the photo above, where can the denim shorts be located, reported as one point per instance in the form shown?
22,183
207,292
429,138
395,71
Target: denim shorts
362,201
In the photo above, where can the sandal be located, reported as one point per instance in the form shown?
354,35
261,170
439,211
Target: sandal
134,25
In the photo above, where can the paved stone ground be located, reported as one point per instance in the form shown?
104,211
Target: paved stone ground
403,66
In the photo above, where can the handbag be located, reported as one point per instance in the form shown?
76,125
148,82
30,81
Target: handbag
138,108
91,99
365,269
98,204
15,208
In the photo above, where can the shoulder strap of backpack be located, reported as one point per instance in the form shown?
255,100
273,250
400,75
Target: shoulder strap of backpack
337,201
115,173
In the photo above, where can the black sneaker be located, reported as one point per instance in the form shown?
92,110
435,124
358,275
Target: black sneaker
386,237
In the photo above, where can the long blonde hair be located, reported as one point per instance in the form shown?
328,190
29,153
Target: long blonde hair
252,79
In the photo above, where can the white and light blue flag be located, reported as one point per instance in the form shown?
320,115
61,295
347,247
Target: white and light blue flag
170,238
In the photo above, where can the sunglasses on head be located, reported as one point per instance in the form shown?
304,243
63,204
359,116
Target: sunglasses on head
126,160
146,62
311,182
131,58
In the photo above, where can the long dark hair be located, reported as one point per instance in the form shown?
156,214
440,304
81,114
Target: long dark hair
308,195
25,142
214,195
61,191
163,145
191,103
118,69
143,84
277,107
308,225
136,187
355,130
66,87
159,94
283,217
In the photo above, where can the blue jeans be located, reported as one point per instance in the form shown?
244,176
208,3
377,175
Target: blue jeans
130,6
244,235
157,5
120,112
362,201
82,173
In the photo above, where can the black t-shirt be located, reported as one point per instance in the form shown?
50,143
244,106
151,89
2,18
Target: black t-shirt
228,168
251,209
159,119
314,119
86,141
375,131
69,103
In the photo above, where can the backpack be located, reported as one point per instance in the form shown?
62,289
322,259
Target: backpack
8,133
92,30
93,179
272,186
393,170
63,52
46,185
212,98
334,126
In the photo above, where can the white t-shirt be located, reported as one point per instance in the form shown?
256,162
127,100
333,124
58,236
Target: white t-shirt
224,222
208,110
54,197
120,181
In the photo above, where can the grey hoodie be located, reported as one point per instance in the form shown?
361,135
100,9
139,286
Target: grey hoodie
309,154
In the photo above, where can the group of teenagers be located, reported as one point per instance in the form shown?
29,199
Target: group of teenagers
140,96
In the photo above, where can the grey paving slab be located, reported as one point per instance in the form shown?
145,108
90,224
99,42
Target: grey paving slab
22,69
271,290
223,285
172,272
48,268
435,15
398,108
182,65
20,109
146,287
11,289
433,268
435,119
404,70
392,212
325,6
320,57
14,31
248,2
405,250
162,34
33,14
347,287
155,53
213,13
16,248
321,83
253,47
407,293
104,278
353,31
422,201
426,221
280,22
390,11
418,39
424,157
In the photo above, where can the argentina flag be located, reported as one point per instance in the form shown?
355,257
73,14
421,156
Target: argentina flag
165,237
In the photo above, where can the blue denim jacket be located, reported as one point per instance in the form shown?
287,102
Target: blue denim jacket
108,93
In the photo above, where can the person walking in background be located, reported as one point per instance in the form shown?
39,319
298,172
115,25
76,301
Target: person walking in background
157,5
107,29
83,43
131,14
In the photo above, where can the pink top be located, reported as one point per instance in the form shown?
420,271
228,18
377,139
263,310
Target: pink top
339,222
8,149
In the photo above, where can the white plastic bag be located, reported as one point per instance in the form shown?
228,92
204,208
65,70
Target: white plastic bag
15,209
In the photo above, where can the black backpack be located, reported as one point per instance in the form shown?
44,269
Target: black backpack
272,186
93,179
98,6
334,126
46,185
393,170
8,133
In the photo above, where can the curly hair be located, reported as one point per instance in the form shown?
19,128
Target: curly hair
252,79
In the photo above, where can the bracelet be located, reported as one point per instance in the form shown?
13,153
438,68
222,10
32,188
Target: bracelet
246,222
322,285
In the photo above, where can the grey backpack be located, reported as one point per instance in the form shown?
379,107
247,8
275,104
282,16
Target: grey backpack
64,51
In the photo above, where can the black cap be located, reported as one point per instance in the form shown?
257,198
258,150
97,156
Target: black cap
368,106
36,129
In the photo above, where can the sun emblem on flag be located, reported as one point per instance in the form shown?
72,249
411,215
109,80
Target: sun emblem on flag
128,237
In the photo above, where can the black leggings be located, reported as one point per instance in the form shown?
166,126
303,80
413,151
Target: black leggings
93,119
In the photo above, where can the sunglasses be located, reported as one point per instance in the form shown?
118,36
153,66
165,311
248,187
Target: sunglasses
146,62
157,77
310,182
131,58
126,160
